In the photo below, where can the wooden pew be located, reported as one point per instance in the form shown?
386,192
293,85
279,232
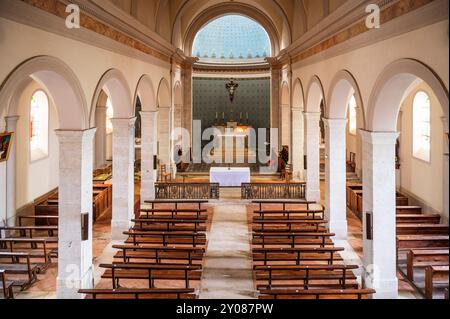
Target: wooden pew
174,213
168,224
287,225
43,220
418,219
315,293
158,254
283,202
151,272
287,214
422,229
35,248
30,231
292,239
6,286
177,202
310,275
298,254
424,258
407,242
165,238
435,275
28,269
409,210
402,200
133,293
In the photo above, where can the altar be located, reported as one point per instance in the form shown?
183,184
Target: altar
229,176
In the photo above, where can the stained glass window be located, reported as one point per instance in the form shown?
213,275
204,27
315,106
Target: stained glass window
38,125
421,126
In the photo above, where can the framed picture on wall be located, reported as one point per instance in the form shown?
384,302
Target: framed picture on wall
5,145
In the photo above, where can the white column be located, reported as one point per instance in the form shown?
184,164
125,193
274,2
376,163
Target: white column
379,199
164,136
148,150
335,176
446,173
286,127
297,145
360,126
11,126
123,176
312,156
100,136
75,268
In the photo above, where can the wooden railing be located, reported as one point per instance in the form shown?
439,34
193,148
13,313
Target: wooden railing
273,190
187,190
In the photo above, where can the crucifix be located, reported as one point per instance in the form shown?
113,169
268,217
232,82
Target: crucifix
231,87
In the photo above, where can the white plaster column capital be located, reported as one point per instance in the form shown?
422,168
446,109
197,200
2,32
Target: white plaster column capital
11,121
379,138
311,116
123,122
150,115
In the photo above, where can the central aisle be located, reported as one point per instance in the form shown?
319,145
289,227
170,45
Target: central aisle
227,270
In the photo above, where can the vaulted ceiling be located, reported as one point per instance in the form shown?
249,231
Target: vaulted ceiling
177,21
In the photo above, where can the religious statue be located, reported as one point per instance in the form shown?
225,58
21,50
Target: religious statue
231,88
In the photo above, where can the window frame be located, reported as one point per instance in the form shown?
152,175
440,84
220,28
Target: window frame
36,155
413,152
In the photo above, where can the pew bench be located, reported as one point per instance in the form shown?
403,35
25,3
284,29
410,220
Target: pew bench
165,238
407,242
422,229
160,224
28,269
151,272
30,231
35,248
175,213
435,275
425,258
40,220
418,219
177,202
132,293
409,210
316,293
292,239
299,255
288,214
309,275
6,286
283,202
288,225
183,254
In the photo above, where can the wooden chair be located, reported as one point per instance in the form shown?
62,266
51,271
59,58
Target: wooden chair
6,286
163,174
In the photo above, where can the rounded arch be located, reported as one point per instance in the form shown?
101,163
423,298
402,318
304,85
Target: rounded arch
146,94
342,87
298,96
315,95
164,96
59,81
114,84
393,85
223,9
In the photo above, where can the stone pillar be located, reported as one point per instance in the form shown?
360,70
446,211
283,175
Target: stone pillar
187,94
312,156
148,150
446,173
380,258
75,268
123,176
275,105
286,127
11,126
100,136
335,176
298,140
359,126
164,136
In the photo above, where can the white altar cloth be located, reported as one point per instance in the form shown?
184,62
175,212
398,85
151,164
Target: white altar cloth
233,176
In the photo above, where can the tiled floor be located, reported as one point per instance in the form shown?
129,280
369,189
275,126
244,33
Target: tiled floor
230,221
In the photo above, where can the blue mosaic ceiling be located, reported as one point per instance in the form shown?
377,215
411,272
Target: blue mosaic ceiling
232,37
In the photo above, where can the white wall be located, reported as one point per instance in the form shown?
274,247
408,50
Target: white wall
419,179
36,178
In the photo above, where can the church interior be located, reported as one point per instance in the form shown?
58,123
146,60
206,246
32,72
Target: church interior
224,149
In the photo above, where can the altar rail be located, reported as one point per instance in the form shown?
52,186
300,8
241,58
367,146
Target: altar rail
273,190
187,191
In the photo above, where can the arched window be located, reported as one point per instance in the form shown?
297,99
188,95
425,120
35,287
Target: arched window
352,115
421,126
38,125
109,116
